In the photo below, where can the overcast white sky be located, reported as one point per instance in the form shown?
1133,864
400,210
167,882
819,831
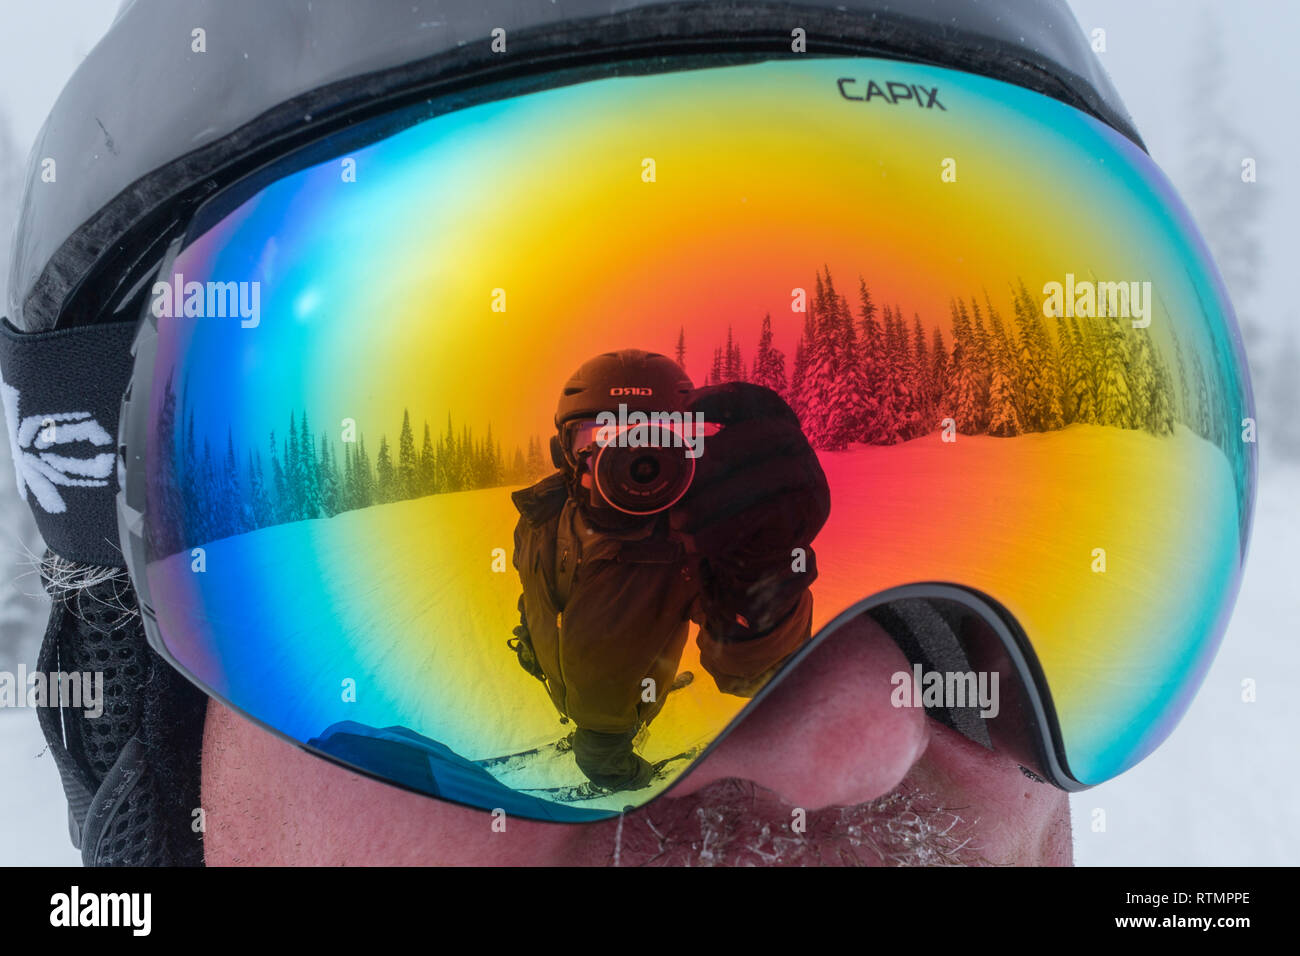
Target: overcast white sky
1151,47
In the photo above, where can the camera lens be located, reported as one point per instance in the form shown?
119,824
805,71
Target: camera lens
644,470
647,477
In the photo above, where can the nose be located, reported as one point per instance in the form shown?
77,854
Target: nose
827,735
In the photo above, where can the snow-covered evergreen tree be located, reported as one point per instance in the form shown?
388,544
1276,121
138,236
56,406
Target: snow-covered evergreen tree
308,471
426,466
448,463
1183,403
852,402
796,376
921,385
1114,393
938,373
404,480
815,399
875,421
966,400
292,472
490,474
364,475
385,473
769,361
1141,376
1005,416
348,489
1078,403
235,512
870,328
327,479
208,521
896,378
731,360
465,460
1037,375
262,516
715,370
1005,419
281,505
1160,418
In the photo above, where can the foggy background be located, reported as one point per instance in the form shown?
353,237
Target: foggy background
1208,84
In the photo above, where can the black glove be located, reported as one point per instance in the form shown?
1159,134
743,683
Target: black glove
759,493
522,645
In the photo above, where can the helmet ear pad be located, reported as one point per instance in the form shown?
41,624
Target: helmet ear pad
557,454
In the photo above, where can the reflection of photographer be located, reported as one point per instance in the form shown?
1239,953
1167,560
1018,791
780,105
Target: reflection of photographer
650,525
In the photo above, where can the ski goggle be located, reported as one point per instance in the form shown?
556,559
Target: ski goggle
994,318
583,435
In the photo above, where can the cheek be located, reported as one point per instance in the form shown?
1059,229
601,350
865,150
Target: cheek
268,803
1013,819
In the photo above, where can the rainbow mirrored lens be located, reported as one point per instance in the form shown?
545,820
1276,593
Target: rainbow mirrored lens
584,435
992,315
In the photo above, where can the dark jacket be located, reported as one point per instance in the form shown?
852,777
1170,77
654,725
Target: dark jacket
631,600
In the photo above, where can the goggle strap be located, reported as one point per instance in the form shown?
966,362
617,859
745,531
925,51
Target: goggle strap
62,394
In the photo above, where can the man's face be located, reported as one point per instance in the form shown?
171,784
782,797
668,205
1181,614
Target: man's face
874,785
581,435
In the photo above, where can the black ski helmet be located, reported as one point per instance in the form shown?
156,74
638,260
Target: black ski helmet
183,97
643,381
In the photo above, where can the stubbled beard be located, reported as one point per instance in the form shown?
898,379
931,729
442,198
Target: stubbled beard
735,822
